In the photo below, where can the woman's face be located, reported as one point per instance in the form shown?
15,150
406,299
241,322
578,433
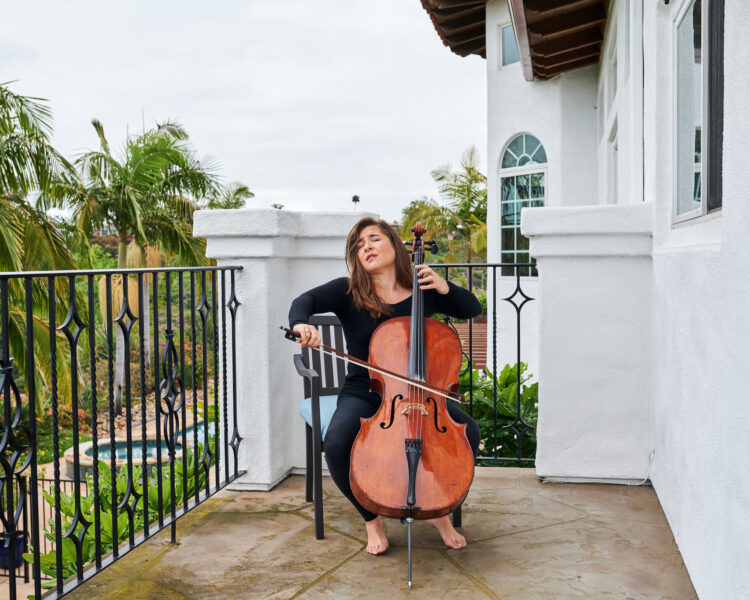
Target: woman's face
375,250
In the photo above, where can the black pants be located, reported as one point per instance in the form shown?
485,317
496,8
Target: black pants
344,427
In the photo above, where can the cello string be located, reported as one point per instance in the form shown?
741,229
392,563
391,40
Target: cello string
415,316
420,328
417,298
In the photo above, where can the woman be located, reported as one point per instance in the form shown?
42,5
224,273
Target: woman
379,288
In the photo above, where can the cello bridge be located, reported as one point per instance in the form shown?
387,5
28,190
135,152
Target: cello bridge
414,406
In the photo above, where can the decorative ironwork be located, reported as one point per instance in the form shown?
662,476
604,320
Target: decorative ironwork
78,519
518,420
170,390
79,525
233,305
518,427
14,455
204,309
130,497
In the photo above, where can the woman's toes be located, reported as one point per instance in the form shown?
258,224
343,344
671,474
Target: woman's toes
377,542
450,536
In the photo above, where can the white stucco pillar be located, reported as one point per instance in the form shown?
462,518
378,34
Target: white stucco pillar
595,279
282,253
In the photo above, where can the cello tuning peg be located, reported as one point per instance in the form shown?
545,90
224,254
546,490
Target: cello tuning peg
433,246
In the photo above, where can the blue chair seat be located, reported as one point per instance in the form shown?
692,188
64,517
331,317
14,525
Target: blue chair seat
327,408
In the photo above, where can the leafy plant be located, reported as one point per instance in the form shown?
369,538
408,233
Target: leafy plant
460,223
48,561
505,411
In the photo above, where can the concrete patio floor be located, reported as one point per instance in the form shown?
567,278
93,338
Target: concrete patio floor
527,540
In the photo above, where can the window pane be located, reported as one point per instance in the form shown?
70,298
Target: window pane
507,238
522,185
689,109
510,51
523,150
539,155
516,147
508,189
537,189
511,213
522,257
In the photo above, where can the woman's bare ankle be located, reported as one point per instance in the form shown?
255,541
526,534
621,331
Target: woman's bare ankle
377,542
448,533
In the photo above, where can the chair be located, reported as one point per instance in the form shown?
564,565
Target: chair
322,382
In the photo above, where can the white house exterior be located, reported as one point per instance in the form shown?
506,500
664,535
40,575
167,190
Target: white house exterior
641,245
638,226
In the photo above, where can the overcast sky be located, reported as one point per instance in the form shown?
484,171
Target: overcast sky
308,103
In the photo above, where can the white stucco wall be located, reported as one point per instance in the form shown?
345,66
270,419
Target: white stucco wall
594,349
690,433
561,113
283,253
701,467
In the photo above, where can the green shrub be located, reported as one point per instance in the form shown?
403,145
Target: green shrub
48,562
484,407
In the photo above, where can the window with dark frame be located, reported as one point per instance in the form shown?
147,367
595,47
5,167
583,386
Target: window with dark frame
715,102
699,73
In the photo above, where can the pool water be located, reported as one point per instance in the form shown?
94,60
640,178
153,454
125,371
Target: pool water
121,448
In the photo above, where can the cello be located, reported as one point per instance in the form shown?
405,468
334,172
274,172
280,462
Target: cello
411,460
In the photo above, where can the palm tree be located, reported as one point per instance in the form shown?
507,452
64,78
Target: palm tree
462,219
148,194
30,240
233,195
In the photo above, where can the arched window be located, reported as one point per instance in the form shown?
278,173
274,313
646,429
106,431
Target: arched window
522,171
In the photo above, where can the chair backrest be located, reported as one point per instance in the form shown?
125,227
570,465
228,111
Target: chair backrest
331,370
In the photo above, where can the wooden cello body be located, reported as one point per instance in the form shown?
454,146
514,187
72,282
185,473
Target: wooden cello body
379,472
411,460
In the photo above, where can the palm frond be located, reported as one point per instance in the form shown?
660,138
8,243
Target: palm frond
28,113
99,128
231,196
11,235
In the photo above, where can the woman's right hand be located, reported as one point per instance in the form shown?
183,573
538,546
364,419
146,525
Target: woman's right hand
308,335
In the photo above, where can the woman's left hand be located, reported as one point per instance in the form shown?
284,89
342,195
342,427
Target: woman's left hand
429,280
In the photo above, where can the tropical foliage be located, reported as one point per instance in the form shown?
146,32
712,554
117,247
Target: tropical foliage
30,240
231,196
501,441
460,223
147,192
89,502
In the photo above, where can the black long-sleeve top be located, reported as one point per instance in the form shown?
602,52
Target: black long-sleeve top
359,326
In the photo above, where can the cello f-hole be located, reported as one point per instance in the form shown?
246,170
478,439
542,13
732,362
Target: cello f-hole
434,404
393,411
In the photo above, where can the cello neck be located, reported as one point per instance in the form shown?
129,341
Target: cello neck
416,331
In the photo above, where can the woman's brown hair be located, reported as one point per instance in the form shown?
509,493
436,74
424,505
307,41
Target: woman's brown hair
361,286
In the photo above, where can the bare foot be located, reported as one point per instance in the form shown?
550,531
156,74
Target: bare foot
451,537
377,543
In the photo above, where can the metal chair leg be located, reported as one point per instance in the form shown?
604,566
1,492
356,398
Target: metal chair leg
308,464
318,484
457,517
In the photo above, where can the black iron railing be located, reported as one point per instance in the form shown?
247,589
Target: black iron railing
502,396
67,350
